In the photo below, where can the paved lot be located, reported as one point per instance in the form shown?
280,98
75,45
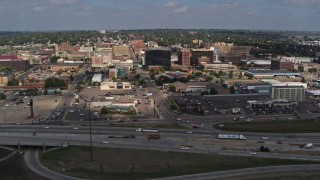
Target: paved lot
43,107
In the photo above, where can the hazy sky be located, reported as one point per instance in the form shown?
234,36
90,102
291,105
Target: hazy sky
144,14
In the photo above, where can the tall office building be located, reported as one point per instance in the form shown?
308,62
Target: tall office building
184,57
198,53
158,57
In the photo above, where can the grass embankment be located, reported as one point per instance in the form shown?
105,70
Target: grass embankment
15,168
117,163
296,126
4,153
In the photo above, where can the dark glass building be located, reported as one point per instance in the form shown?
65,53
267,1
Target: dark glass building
158,57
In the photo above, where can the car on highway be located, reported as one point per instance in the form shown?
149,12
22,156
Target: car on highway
249,119
264,138
252,153
184,148
75,128
221,125
105,142
291,136
7,105
189,132
46,127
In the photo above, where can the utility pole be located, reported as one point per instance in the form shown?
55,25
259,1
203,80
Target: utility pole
91,155
31,108
154,108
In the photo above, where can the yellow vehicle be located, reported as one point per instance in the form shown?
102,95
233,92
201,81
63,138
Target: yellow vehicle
153,136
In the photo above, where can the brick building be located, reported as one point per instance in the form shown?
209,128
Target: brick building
184,57
281,65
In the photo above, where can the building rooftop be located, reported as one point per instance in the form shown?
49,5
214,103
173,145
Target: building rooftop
158,48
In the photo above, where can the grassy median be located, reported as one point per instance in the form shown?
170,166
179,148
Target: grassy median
288,126
117,163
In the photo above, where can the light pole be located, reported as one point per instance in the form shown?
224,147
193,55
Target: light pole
90,132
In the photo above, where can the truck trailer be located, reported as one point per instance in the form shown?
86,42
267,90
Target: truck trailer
147,130
232,136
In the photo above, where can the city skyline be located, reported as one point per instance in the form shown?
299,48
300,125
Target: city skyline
43,15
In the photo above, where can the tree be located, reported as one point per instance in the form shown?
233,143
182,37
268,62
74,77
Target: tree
198,73
183,80
60,72
71,78
209,78
312,70
172,88
232,90
213,91
137,76
221,81
54,59
192,76
55,82
2,96
231,74
250,76
225,86
13,82
79,87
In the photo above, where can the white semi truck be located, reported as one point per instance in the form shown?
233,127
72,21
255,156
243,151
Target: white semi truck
147,130
232,136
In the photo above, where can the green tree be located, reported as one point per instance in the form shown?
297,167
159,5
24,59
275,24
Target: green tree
13,82
230,74
192,76
54,59
213,91
183,80
232,90
60,72
221,81
172,88
79,87
198,73
55,82
225,86
312,70
137,76
2,96
209,78
250,76
71,78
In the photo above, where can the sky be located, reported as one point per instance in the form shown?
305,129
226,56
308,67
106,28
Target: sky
43,15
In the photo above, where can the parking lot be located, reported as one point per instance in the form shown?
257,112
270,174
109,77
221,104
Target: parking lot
14,112
214,105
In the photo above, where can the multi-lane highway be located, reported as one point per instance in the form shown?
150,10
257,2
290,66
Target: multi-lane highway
171,139
200,141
